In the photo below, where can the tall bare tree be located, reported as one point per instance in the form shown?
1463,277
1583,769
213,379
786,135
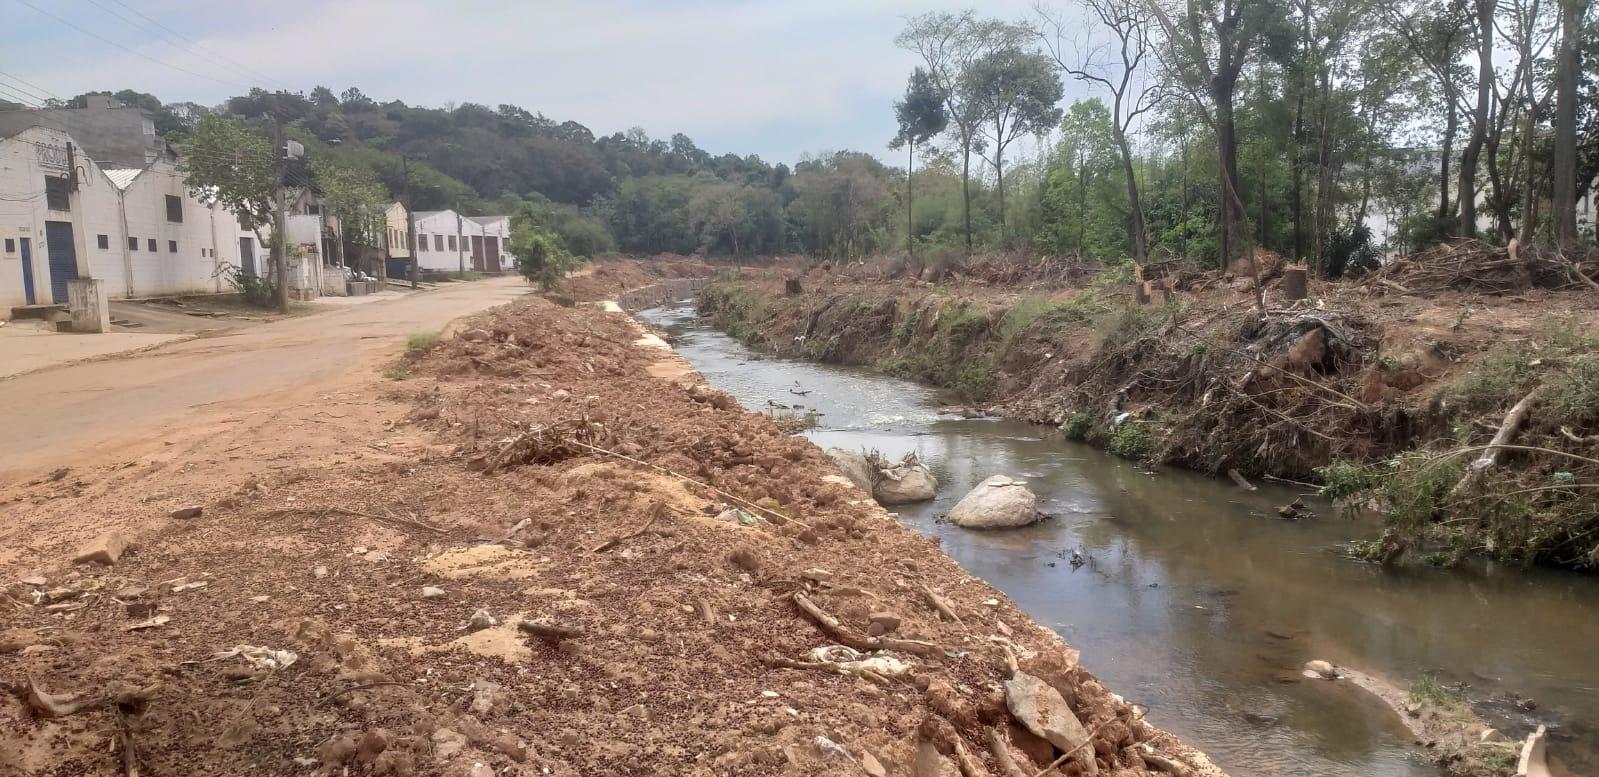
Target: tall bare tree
1482,114
1568,67
1016,92
1117,64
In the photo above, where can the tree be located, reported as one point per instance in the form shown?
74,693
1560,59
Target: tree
1568,65
1435,34
356,198
226,163
1469,157
539,256
1119,68
921,118
1083,209
948,45
1015,93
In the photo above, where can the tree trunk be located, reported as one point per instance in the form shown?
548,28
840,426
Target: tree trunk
1563,203
999,169
1135,225
1082,203
1185,197
1467,196
910,214
1451,126
1298,193
966,190
1324,177
1227,152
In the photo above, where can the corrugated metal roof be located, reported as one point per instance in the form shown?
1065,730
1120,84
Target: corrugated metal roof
122,177
486,219
422,214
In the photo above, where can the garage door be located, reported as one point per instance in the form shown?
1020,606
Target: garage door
63,258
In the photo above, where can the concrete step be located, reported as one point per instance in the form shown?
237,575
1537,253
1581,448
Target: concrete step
41,312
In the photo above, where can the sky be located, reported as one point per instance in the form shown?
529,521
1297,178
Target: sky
778,78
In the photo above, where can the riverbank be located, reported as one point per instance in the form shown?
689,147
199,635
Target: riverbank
1336,390
557,562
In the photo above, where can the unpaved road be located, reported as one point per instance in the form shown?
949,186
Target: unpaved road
81,414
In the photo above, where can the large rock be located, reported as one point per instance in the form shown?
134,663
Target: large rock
1043,711
999,502
855,467
105,549
903,482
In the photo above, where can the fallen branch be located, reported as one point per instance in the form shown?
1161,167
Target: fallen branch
830,666
1577,271
1001,748
943,608
657,510
388,518
553,632
1490,456
1238,477
845,636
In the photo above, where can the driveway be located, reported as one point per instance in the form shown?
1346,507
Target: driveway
81,414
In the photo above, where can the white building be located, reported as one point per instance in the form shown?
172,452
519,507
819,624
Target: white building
138,229
447,241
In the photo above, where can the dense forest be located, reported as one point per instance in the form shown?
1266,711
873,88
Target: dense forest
1328,132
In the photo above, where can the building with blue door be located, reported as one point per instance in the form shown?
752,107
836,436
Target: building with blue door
63,216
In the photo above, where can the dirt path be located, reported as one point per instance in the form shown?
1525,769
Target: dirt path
74,415
490,563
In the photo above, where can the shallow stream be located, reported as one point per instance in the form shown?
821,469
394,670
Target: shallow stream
1197,601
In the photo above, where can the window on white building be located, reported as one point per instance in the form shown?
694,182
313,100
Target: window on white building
133,244
151,243
57,195
422,243
452,243
104,241
174,209
438,242
172,246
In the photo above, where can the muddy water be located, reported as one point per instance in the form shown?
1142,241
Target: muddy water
1196,600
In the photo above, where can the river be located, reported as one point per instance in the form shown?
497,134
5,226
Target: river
1197,600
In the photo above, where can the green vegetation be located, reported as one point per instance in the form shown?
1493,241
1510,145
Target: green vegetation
1131,440
419,341
396,371
465,275
1077,426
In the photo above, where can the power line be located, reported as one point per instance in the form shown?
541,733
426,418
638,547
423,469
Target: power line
19,98
37,91
139,54
178,41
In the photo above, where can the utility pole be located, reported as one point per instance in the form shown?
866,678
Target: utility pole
460,239
280,220
410,217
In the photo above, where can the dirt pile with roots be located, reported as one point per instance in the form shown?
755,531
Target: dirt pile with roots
568,557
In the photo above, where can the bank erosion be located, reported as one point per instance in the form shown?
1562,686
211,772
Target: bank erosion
582,561
1457,390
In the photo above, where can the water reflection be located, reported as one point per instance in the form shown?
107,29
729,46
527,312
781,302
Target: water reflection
1198,600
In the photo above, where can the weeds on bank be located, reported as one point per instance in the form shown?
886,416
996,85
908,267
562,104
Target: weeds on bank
418,341
396,372
1131,440
1077,426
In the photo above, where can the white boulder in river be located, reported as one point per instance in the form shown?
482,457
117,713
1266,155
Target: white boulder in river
1000,502
903,482
855,466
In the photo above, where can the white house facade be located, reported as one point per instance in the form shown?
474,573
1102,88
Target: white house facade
447,241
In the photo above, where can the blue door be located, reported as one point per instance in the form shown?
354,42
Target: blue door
63,258
247,255
27,271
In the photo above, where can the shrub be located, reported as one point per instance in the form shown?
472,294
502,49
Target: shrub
1077,425
1345,479
1131,440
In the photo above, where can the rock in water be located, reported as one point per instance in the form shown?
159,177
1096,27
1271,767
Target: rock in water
999,502
1322,669
904,482
854,466
1043,711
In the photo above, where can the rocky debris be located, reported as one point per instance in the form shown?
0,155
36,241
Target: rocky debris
481,620
903,482
872,766
319,572
1319,669
1043,711
882,622
433,592
560,394
186,513
999,502
105,549
1295,510
721,400
855,466
475,335
484,694
447,742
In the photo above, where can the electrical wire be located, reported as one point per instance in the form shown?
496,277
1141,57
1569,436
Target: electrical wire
35,87
22,91
177,40
140,54
17,97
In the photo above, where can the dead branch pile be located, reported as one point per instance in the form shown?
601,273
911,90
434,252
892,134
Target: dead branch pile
1472,265
548,444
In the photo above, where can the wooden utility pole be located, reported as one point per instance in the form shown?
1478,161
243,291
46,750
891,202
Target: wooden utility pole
410,217
280,220
460,239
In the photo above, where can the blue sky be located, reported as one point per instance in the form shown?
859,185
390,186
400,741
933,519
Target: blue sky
780,78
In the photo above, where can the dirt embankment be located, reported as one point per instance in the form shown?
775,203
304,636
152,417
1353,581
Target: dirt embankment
557,563
1359,374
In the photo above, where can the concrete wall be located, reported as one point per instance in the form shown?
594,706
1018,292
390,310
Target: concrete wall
189,254
26,159
395,238
457,253
117,137
500,227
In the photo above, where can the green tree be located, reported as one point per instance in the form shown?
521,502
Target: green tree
539,256
921,118
1015,92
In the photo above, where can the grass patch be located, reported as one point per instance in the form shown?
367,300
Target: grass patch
418,341
465,275
396,372
1427,691
1573,395
1502,376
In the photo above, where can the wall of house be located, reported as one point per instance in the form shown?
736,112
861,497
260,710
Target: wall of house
501,228
115,136
445,223
189,254
26,159
395,238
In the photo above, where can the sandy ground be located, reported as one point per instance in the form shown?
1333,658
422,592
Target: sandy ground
547,550
25,349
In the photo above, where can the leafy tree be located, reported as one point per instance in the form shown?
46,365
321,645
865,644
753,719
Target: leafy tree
1015,92
539,256
224,162
921,118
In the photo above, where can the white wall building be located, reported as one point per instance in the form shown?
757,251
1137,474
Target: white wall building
63,217
446,240
497,250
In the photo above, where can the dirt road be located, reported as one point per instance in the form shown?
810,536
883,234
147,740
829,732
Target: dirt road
77,416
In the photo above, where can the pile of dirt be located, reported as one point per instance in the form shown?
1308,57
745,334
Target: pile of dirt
606,278
583,570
